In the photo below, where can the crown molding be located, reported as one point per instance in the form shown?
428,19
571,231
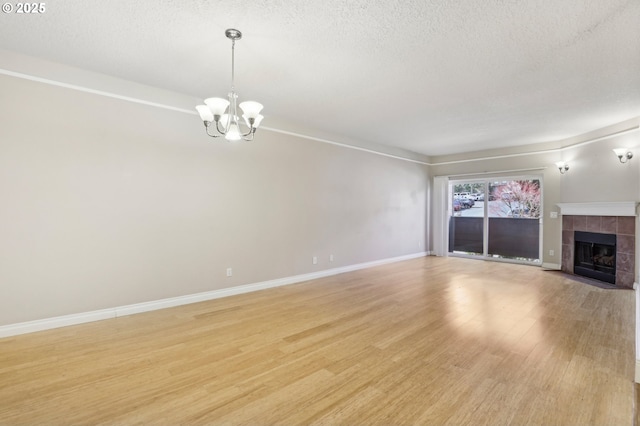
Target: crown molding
24,67
630,129
141,101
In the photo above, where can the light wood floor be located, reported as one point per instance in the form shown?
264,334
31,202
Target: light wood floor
427,341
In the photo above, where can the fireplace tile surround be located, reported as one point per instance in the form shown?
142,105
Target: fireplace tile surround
624,227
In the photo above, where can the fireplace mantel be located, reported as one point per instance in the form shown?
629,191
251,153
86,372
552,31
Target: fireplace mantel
616,208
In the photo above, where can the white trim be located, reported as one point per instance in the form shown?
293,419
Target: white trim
191,112
545,151
618,208
482,175
56,322
84,317
496,157
344,145
551,266
440,213
635,286
93,91
300,135
601,138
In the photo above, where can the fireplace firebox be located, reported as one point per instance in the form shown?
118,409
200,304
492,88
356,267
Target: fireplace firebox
595,256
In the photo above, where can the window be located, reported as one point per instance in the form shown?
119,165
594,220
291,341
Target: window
496,219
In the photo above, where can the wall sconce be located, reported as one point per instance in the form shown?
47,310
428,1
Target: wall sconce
562,166
623,153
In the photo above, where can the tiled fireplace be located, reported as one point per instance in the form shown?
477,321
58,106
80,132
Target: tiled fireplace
606,235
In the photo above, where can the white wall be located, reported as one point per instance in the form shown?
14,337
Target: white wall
107,203
595,173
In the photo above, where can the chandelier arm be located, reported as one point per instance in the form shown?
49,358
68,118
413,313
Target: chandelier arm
250,132
207,127
218,128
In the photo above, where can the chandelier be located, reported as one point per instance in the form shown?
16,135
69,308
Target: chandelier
225,123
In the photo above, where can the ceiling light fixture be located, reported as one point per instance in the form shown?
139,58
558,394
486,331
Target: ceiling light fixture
623,153
214,113
562,166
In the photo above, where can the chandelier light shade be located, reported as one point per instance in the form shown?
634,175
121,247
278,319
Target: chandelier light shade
220,116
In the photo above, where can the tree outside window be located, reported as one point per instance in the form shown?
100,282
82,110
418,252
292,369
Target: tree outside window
516,198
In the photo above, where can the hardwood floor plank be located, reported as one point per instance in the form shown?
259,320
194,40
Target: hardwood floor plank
426,341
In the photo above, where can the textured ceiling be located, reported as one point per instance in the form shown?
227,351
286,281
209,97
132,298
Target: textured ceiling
434,77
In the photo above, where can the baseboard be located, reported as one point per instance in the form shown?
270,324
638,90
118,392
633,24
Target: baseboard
551,266
74,319
56,322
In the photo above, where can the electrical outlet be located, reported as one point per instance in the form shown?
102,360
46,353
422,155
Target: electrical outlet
330,258
552,253
229,272
315,260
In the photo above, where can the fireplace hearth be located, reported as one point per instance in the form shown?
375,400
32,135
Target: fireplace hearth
595,256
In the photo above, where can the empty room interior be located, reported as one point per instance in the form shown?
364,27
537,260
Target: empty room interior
338,212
